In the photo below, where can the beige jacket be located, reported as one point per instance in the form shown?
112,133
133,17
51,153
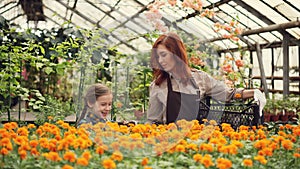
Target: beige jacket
208,86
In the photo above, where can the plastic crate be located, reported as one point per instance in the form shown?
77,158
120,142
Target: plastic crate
233,113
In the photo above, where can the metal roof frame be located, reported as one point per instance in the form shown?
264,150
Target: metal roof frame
11,9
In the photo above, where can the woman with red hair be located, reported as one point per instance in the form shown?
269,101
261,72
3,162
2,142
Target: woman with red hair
177,89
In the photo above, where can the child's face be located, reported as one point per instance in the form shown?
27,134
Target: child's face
103,105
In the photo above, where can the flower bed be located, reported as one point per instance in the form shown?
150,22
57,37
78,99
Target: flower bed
184,145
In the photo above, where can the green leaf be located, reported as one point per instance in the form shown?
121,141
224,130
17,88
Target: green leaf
42,50
48,70
35,107
39,65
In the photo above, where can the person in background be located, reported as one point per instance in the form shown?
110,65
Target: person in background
97,105
177,89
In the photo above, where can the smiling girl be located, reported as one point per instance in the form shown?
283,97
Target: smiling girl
97,105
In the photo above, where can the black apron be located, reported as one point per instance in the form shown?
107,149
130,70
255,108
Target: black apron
182,105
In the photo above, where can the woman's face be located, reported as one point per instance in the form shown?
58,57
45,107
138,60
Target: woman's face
165,58
103,105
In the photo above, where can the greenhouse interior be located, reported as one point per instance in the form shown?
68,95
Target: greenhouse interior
149,84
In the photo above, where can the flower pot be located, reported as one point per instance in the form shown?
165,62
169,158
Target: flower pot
267,117
274,117
284,117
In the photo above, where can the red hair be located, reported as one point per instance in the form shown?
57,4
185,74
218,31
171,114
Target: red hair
175,45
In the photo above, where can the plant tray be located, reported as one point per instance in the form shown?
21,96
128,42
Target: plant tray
233,113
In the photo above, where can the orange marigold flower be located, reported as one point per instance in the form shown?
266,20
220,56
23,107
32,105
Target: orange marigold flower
266,151
296,131
4,151
223,163
297,155
287,144
33,143
239,63
206,147
60,122
34,151
108,164
261,159
117,155
22,131
197,157
4,141
248,162
180,148
19,140
65,125
22,154
10,126
82,161
207,161
238,95
53,156
66,166
100,149
87,155
192,146
70,156
145,161
31,126
115,145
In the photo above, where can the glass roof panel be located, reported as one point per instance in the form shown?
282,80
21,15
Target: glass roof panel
288,11
295,32
295,3
268,12
251,20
